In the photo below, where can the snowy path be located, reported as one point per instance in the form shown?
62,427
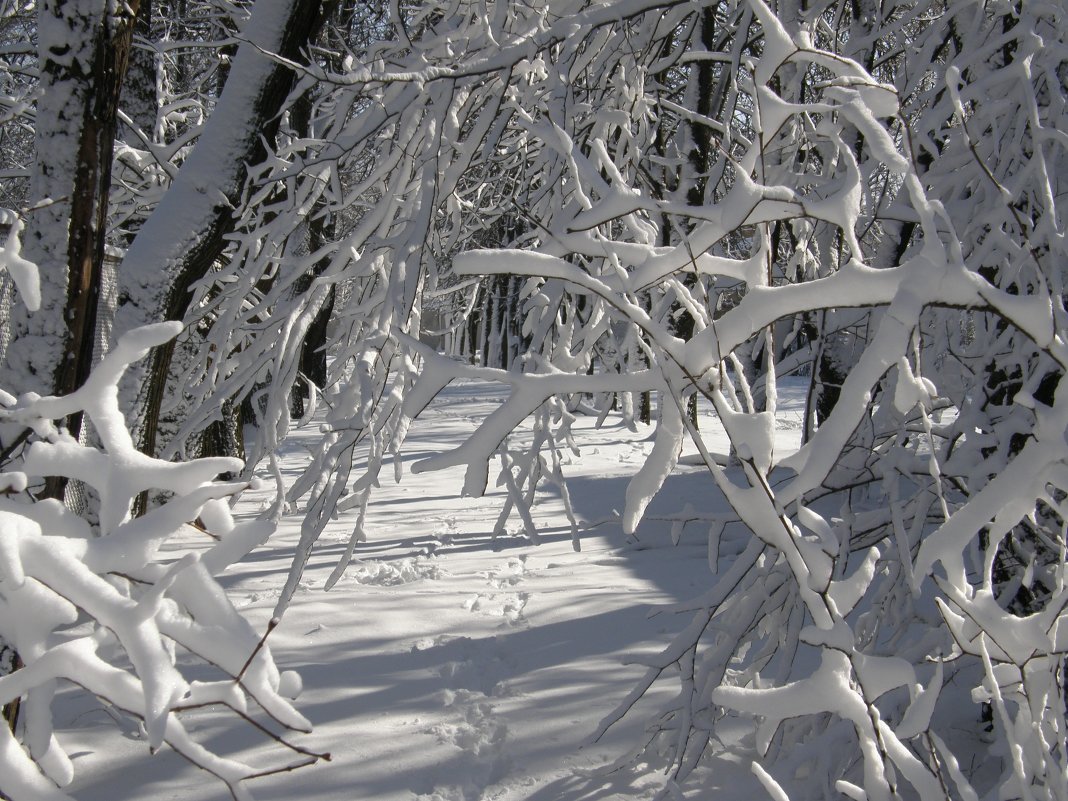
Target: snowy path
445,666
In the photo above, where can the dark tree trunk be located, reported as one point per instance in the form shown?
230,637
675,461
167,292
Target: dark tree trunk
98,93
149,294
89,200
321,229
139,89
77,119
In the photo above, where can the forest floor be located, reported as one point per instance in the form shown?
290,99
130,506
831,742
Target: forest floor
448,665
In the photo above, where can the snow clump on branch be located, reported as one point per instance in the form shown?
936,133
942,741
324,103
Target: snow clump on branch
107,606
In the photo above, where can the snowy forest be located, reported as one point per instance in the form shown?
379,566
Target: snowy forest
701,358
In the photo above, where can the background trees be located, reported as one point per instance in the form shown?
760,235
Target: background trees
603,201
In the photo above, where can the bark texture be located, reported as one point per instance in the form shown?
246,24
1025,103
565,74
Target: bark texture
186,233
83,56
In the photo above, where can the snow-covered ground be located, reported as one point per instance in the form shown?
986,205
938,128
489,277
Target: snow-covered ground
447,665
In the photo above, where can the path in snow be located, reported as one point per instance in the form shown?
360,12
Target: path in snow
445,665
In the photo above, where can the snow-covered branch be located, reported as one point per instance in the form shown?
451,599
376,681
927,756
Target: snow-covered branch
108,608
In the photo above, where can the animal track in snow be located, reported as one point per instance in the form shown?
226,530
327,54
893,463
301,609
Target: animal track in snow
481,666
511,573
477,731
475,674
446,530
506,604
509,605
389,574
472,682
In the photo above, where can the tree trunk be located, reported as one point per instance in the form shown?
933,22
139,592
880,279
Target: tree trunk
139,99
83,57
321,228
81,72
186,234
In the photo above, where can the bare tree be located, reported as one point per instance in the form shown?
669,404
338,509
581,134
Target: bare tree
689,199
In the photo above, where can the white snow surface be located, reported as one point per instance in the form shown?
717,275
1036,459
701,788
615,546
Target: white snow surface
446,665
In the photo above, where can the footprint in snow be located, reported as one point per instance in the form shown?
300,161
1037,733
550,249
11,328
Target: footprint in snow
508,605
480,665
480,737
470,723
510,573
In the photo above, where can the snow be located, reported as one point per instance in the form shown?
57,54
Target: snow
103,612
454,660
446,665
22,272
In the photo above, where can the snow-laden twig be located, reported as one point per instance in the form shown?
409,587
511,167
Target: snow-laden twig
103,607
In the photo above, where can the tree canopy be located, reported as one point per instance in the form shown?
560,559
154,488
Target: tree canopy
586,203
